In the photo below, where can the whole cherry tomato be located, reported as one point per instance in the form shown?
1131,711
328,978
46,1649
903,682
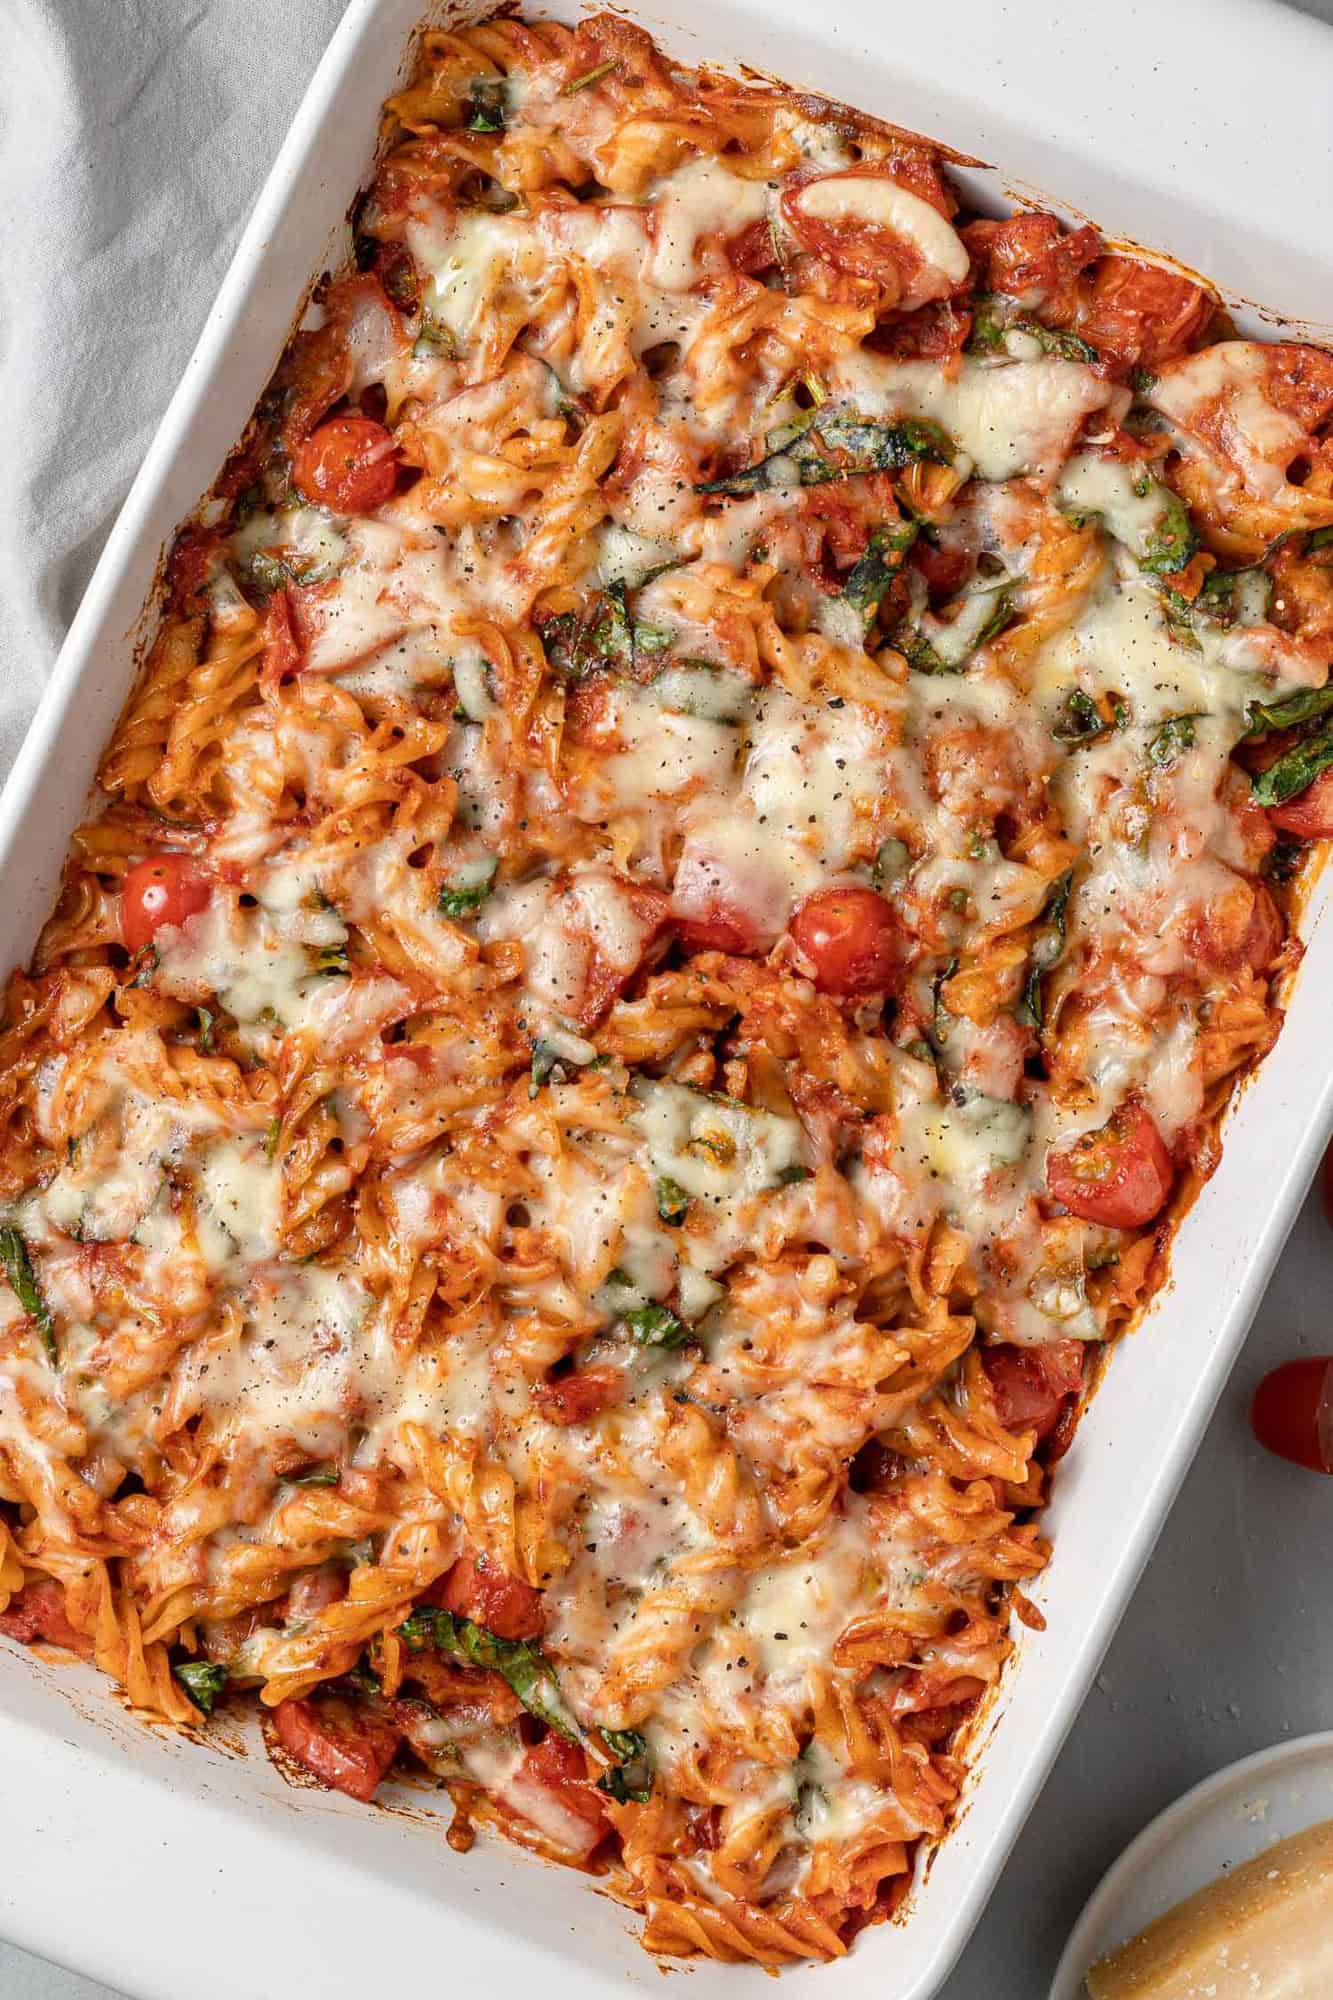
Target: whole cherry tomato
851,940
164,889
1292,1412
350,465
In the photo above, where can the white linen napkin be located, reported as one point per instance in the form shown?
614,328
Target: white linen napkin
134,137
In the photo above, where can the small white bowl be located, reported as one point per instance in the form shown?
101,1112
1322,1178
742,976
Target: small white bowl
1227,1819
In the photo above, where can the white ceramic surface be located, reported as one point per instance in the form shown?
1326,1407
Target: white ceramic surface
1226,1820
172,1844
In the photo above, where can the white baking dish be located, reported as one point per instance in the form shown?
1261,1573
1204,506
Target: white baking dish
170,1868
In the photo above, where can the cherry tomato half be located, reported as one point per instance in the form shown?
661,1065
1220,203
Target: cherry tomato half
350,464
164,889
851,940
1292,1412
1119,1176
1309,816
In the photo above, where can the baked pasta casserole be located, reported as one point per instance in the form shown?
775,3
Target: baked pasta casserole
709,823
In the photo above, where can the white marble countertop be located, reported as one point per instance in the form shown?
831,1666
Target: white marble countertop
1224,1649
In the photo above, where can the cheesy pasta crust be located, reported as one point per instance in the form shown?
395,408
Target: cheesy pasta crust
659,946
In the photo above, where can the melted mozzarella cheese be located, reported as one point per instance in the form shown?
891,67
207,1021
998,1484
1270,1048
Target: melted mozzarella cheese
1008,418
1129,504
713,1147
1226,383
700,199
240,1203
884,204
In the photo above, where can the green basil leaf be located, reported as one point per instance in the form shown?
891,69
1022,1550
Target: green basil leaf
464,899
871,576
1001,618
632,1778
1295,770
672,1201
993,318
145,965
1173,541
1060,341
920,655
528,1672
486,106
264,573
202,1681
988,328
400,283
1080,720
1307,705
1047,949
799,455
550,1064
23,1282
590,77
883,447
1175,736
657,1326
434,338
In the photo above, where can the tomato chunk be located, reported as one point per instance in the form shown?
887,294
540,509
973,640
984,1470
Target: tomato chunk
350,464
284,651
346,1747
1141,312
572,1399
1309,816
479,1589
719,931
1242,927
1030,1384
558,1767
1032,258
164,889
1119,1176
38,1612
1292,1412
851,940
